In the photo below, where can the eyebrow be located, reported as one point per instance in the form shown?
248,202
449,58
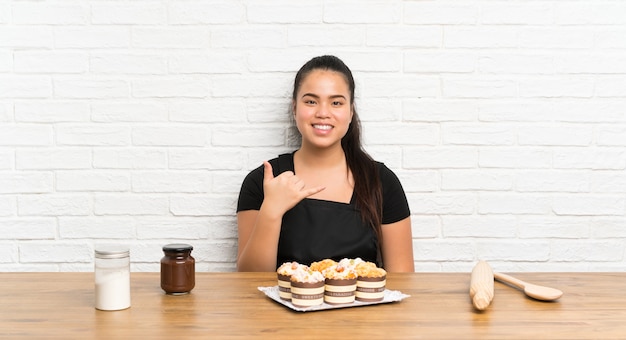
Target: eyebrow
316,96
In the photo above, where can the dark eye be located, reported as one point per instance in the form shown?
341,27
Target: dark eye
337,103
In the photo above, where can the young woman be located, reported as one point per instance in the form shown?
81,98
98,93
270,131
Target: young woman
328,199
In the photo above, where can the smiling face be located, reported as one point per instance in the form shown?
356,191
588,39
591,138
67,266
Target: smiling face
323,109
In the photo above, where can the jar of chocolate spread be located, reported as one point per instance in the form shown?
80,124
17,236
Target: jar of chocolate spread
178,269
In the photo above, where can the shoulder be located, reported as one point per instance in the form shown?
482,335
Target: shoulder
386,175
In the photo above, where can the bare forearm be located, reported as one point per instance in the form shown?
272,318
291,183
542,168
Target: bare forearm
260,250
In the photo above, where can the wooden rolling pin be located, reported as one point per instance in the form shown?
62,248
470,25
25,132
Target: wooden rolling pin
481,285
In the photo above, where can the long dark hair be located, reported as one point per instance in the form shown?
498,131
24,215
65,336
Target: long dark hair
367,186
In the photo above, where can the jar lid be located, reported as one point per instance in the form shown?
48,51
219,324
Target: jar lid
111,251
177,247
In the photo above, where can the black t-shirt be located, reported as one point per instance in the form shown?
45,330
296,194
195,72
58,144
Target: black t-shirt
317,229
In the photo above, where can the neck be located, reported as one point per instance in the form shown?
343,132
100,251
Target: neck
320,158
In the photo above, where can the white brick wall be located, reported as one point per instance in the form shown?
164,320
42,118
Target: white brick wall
135,122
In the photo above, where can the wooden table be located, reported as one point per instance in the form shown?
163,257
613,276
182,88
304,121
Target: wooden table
229,305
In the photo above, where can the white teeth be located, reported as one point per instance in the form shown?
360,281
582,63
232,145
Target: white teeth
322,127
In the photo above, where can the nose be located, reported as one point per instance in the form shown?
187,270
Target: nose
323,111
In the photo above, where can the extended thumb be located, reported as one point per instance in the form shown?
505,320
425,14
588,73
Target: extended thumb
268,172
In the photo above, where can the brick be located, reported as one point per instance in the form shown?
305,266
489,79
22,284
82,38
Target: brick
515,157
93,134
439,62
553,181
58,252
480,37
404,134
589,205
141,13
129,158
202,205
170,87
425,227
101,227
26,183
171,135
611,86
581,87
611,227
442,203
92,37
588,13
214,111
478,134
126,63
479,227
519,63
514,203
6,60
8,205
50,14
54,205
513,110
26,36
49,62
173,37
513,250
90,88
46,111
404,36
439,110
284,12
606,62
320,36
478,87
419,181
8,251
379,109
435,13
227,182
275,86
588,251
214,13
437,250
82,180
611,37
213,159
250,37
476,180
53,158
28,229
561,135
248,137
439,157
553,227
127,204
359,12
559,38
608,182
409,86
7,159
129,111
172,228
172,181
25,86
590,158
25,135
210,62
516,14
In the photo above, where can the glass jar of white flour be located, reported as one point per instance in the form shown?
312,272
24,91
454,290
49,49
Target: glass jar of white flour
112,277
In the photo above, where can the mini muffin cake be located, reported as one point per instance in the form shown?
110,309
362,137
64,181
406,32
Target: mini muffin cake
322,265
371,281
307,287
283,274
340,284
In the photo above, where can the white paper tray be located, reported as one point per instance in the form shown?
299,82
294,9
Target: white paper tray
390,296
